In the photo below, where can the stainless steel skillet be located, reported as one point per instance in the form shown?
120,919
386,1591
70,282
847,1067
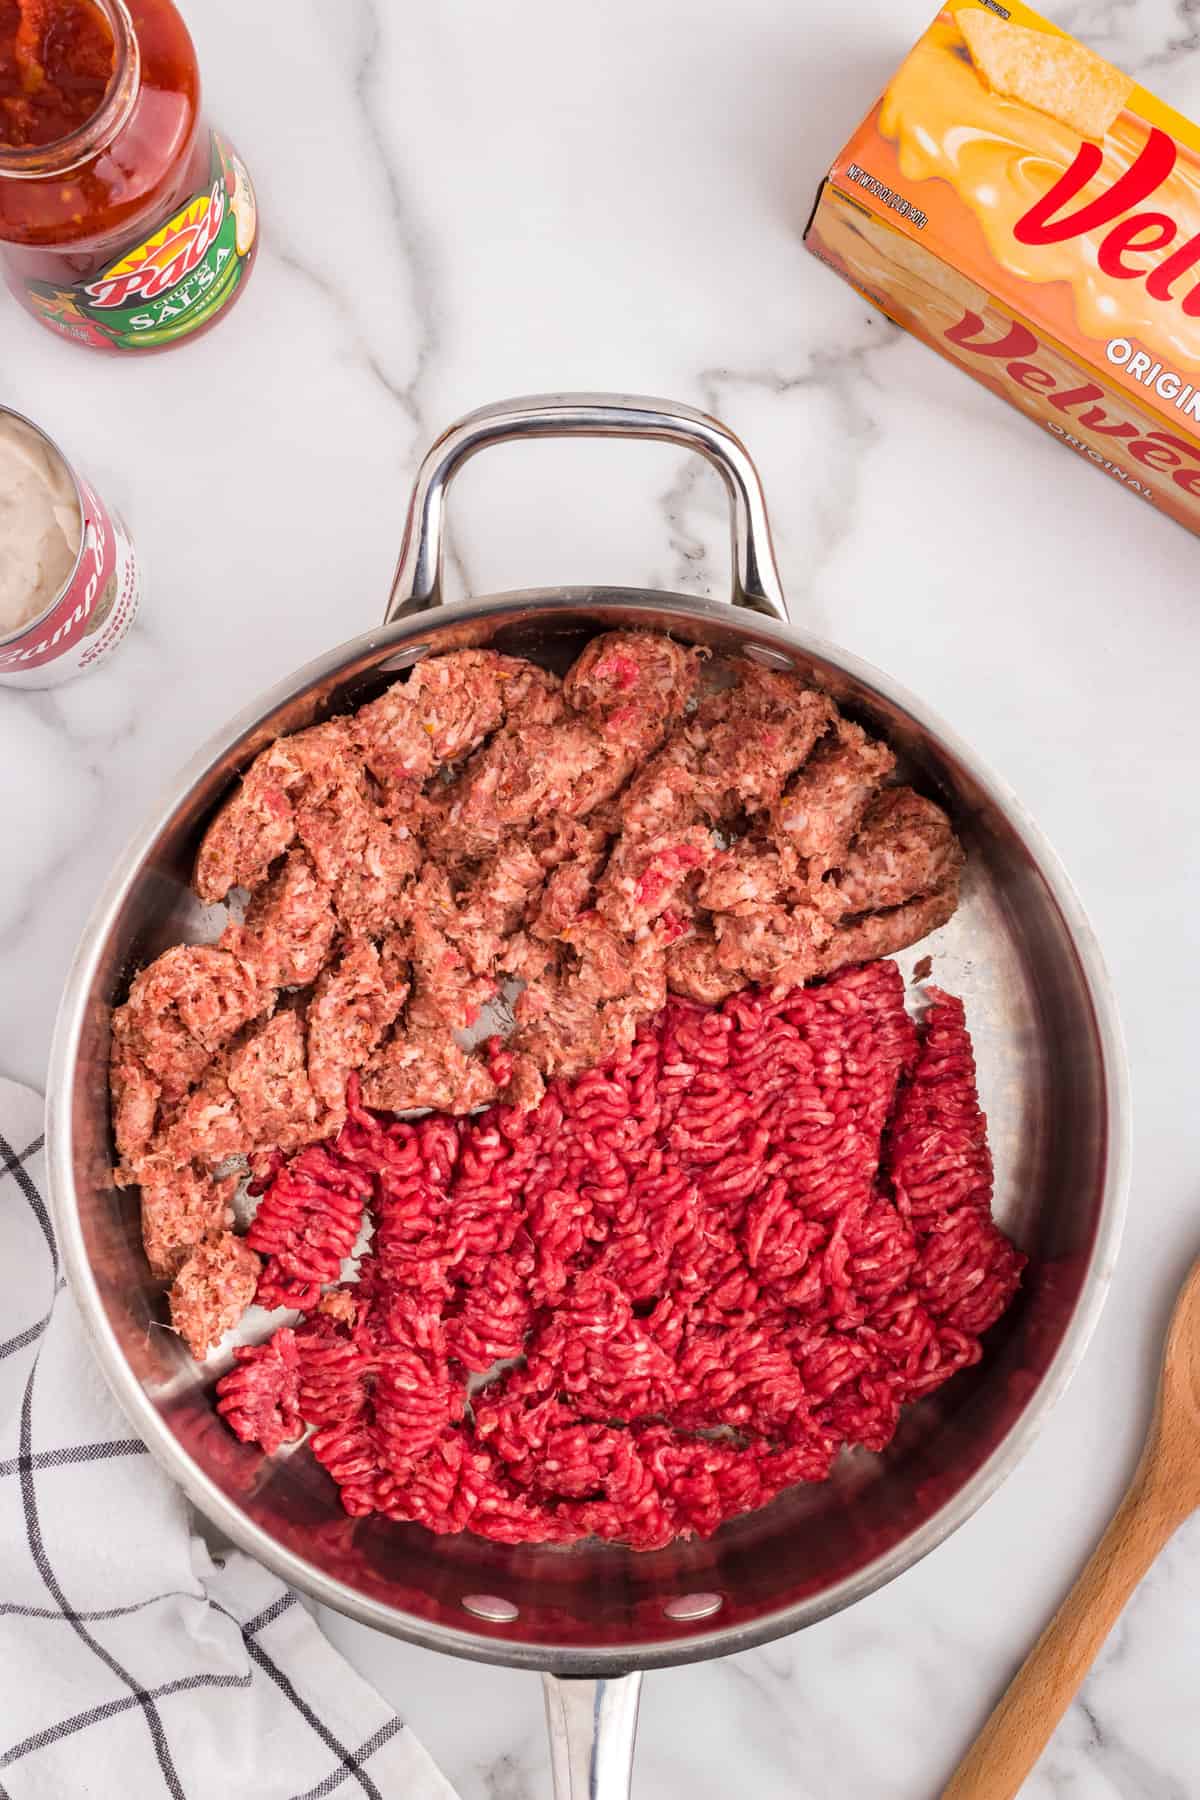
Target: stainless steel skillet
1019,951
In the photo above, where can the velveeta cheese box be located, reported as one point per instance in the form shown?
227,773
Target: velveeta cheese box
1020,205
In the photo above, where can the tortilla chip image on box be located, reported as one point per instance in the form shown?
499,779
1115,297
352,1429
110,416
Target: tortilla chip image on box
1052,73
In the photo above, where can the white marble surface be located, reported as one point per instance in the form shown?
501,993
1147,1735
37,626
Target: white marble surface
476,201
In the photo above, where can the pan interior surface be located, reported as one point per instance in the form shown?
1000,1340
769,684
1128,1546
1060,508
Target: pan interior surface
1017,952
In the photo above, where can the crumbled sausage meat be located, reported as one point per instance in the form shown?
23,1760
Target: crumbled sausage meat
445,709
207,1128
822,808
906,847
135,1097
212,1290
877,934
289,928
423,1065
694,971
443,972
774,945
375,893
268,1077
578,855
632,686
353,1004
180,1209
182,1009
294,777
756,735
525,773
749,874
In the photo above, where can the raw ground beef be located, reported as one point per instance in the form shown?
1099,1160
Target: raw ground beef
703,1267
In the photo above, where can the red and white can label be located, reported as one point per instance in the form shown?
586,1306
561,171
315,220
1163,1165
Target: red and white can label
93,612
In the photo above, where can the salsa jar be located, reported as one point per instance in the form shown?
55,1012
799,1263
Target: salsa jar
126,222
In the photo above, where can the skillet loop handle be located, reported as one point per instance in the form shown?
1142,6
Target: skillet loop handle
418,580
592,1725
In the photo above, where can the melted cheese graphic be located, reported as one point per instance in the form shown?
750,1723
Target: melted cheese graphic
1001,157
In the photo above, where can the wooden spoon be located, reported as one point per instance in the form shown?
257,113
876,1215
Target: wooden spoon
1164,1492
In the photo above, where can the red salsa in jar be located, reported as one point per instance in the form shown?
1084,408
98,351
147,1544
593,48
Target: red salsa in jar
126,223
55,67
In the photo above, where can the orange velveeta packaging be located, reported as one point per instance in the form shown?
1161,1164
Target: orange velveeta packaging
1020,205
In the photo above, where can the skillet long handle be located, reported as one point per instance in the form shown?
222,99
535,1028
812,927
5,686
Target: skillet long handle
592,1726
418,580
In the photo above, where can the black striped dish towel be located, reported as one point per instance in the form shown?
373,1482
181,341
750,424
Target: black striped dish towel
131,1663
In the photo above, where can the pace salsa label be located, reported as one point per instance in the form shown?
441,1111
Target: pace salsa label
172,283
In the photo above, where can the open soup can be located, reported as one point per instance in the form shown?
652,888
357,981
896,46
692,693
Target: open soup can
70,581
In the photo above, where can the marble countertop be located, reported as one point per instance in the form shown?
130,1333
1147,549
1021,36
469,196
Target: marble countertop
480,202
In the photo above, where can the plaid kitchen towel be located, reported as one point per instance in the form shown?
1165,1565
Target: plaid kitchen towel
131,1663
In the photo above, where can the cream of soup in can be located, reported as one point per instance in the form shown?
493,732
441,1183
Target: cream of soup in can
70,582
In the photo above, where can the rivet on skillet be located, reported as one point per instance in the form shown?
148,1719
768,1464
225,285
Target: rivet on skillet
404,659
774,659
491,1606
693,1606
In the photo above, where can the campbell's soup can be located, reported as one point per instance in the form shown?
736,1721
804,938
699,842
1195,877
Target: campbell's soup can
70,580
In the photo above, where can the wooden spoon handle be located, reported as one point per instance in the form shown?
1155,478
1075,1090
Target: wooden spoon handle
1024,1721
